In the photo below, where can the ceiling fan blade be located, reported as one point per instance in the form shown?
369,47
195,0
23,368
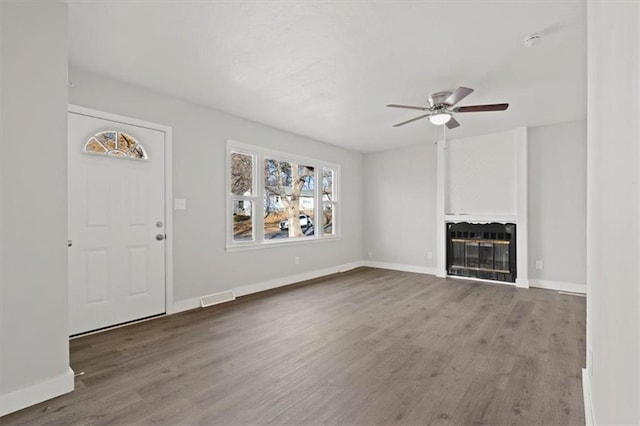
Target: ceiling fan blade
481,108
452,123
459,94
409,121
408,107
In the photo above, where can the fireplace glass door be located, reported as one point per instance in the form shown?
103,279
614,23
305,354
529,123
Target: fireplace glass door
481,250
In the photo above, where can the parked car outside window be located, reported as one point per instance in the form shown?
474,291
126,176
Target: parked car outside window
305,222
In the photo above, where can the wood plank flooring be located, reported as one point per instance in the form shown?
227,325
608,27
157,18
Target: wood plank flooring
369,346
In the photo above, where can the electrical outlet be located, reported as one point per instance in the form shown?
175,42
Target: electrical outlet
538,264
370,254
296,260
180,204
430,255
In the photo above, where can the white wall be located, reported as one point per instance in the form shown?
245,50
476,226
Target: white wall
400,206
201,263
613,211
481,175
408,176
558,202
34,350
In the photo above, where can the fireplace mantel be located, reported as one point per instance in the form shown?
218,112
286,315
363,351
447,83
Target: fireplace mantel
478,218
514,211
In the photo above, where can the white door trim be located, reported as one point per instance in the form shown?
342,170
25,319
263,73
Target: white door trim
168,185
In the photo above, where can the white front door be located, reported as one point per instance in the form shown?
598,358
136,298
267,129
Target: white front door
116,223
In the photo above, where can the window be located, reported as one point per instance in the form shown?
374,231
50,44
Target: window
328,201
243,195
278,198
116,144
289,196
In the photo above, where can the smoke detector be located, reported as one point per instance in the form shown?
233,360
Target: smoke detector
532,39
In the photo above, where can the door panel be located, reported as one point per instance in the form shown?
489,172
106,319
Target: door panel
97,199
136,193
116,264
138,270
96,277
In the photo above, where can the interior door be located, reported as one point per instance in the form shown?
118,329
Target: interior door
116,222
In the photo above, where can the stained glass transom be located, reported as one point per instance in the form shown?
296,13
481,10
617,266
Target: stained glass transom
116,144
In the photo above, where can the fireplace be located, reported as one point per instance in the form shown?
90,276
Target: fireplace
482,250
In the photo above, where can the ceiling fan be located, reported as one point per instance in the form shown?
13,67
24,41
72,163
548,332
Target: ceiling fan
441,107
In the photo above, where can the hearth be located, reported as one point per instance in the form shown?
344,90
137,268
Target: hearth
482,250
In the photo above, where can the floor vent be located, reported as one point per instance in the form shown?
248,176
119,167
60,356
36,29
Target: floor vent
215,298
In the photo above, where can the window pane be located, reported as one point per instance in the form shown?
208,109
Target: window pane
94,146
288,199
125,142
242,220
327,185
241,174
328,213
115,144
108,139
278,225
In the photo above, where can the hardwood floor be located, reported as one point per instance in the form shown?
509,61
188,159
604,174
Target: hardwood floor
365,347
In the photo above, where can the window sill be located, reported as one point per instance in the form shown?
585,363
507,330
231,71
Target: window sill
273,244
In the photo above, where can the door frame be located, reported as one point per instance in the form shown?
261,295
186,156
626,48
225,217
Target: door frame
168,187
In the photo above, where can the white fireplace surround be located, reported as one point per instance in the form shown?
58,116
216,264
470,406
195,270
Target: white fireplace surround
483,179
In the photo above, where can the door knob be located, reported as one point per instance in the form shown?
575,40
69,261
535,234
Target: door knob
160,237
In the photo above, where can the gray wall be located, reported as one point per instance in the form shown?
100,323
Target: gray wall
558,202
33,287
613,211
400,206
201,263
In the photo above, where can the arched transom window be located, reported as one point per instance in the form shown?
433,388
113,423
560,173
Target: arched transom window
114,143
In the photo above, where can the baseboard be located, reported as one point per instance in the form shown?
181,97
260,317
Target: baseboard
185,305
559,285
586,393
481,280
194,302
346,267
292,279
34,394
401,267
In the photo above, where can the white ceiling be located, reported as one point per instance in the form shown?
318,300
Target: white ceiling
327,69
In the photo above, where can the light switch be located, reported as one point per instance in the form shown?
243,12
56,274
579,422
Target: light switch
180,204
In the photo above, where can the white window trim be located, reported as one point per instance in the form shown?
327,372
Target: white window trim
257,198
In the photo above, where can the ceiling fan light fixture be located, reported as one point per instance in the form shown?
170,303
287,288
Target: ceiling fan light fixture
440,118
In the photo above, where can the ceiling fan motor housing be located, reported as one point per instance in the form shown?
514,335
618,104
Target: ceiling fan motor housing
438,98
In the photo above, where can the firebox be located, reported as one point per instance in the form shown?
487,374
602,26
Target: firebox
482,250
